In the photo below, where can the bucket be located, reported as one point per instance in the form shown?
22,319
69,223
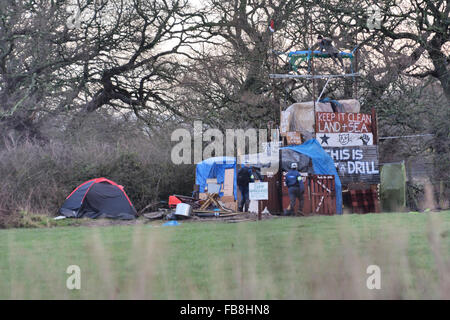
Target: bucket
183,209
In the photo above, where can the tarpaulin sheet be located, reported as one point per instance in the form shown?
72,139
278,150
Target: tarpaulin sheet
215,168
322,164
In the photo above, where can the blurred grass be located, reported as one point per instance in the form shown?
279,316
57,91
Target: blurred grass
290,258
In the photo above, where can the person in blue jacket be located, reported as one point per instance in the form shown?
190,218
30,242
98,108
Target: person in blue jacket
244,177
296,189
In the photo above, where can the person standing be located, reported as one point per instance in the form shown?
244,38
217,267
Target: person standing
296,189
244,177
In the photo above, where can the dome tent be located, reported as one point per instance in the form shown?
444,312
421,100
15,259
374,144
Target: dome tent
98,198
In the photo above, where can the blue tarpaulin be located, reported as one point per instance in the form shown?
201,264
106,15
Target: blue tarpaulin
322,164
215,168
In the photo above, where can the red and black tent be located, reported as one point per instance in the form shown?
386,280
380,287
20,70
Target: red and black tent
98,198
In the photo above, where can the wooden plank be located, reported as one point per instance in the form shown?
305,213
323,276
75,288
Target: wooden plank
314,190
211,199
221,213
327,195
228,184
237,221
284,123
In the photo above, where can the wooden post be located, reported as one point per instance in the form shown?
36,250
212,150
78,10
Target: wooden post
374,126
374,190
260,204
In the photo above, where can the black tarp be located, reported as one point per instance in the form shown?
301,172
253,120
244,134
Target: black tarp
303,161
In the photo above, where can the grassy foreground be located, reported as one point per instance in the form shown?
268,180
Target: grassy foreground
288,258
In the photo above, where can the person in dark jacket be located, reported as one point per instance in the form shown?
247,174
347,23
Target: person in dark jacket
244,177
326,44
296,189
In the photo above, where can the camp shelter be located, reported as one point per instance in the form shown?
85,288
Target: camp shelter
216,168
98,198
322,164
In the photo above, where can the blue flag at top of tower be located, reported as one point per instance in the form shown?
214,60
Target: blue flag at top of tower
322,164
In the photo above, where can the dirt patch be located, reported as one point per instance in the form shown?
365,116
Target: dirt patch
241,217
105,222
44,221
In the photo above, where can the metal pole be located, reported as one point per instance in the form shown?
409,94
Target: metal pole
312,71
274,89
356,71
323,90
355,67
310,77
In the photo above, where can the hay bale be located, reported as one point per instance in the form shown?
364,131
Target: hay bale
301,115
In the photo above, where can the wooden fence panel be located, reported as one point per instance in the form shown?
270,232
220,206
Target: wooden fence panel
323,194
319,196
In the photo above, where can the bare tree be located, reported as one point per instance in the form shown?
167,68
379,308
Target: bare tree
140,71
230,74
411,38
121,54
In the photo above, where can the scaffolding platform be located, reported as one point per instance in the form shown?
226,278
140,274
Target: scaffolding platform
309,76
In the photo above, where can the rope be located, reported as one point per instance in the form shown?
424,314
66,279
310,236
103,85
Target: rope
410,136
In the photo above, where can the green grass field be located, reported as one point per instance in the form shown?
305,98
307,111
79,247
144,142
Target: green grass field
285,258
